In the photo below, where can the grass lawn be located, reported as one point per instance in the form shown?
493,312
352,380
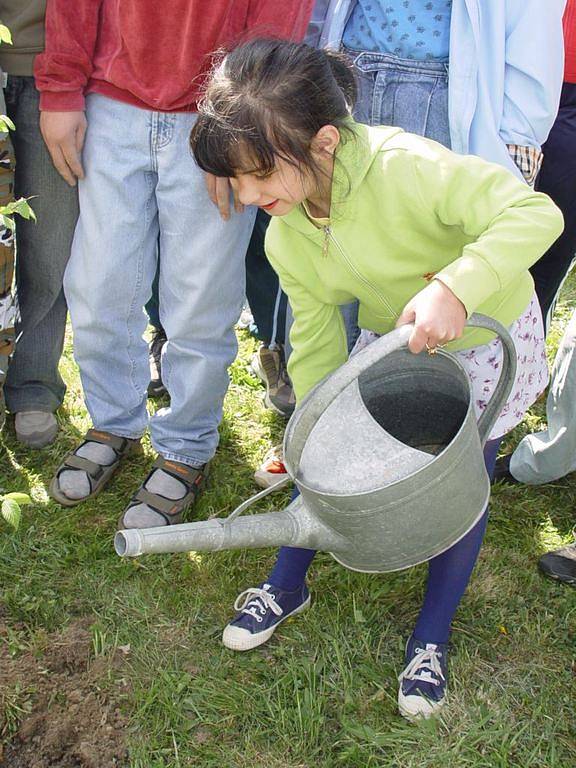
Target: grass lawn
105,662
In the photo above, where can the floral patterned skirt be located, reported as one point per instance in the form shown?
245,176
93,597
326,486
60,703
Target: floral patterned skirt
482,364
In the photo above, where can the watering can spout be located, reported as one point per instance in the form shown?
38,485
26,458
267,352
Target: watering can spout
293,527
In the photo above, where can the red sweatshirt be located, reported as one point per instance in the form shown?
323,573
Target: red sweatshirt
150,53
570,41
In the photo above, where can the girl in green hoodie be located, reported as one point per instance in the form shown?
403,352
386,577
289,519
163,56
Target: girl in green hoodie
416,234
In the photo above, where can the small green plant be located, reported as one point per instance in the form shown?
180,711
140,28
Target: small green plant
20,206
10,507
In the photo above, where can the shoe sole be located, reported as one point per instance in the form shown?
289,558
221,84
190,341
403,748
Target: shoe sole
415,716
565,580
253,641
269,404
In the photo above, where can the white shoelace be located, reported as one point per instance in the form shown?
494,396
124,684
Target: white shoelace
255,601
423,666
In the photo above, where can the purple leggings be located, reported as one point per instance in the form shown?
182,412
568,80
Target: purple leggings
448,573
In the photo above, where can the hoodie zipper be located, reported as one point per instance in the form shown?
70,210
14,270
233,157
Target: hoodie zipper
329,235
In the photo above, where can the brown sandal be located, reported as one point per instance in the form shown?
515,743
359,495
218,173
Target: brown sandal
98,474
172,510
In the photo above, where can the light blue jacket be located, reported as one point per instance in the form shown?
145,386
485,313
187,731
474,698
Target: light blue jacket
506,70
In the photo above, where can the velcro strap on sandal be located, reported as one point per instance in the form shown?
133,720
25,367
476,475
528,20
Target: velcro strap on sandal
79,462
190,475
105,438
160,503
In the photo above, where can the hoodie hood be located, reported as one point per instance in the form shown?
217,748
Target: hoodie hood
356,153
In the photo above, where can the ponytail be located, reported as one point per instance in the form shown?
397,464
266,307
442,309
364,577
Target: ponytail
343,74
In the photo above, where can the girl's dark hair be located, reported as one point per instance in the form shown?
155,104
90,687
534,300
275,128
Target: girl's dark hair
268,99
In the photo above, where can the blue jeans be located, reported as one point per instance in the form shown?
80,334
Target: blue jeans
43,249
143,189
407,94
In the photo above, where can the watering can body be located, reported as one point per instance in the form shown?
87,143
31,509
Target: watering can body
387,455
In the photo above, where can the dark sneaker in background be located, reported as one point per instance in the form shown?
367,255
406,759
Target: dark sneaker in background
269,365
156,387
560,564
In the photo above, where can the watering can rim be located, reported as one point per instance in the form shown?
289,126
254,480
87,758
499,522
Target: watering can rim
418,470
398,339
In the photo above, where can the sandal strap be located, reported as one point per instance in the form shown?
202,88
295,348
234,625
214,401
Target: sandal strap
158,503
73,461
118,444
170,509
189,476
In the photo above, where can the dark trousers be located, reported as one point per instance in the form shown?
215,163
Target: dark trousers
266,299
42,252
558,179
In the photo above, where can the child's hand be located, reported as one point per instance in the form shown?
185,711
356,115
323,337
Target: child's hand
438,317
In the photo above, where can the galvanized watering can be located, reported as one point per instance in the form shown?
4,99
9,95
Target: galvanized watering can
387,455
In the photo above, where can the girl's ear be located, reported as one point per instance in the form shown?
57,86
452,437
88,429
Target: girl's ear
326,140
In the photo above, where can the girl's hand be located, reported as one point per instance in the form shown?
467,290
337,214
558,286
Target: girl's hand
438,317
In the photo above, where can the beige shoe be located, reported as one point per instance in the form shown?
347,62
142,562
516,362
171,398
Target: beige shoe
36,429
272,469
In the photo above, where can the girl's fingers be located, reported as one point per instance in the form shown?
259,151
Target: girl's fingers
418,339
407,316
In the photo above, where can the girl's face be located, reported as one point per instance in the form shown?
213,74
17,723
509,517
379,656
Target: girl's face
287,186
278,192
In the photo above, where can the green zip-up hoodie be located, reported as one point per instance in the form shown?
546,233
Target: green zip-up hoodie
404,210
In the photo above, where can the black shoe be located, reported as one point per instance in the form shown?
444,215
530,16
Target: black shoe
502,472
560,564
156,388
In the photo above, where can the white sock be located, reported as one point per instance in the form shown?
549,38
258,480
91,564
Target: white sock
74,483
143,516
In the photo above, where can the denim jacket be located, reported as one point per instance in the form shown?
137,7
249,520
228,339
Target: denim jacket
499,94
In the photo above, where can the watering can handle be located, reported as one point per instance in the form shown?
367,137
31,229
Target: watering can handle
304,419
507,373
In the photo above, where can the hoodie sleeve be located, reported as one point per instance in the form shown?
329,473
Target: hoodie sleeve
509,224
63,70
532,81
317,335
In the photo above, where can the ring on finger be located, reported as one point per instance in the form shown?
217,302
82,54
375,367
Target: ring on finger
434,349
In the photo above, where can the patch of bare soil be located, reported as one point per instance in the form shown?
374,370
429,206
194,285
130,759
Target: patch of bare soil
64,702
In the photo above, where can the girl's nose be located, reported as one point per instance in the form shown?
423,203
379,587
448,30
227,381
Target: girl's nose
246,190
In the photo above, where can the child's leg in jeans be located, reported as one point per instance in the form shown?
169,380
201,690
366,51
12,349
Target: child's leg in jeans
449,573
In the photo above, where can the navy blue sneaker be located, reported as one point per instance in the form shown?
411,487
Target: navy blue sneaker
261,610
422,690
